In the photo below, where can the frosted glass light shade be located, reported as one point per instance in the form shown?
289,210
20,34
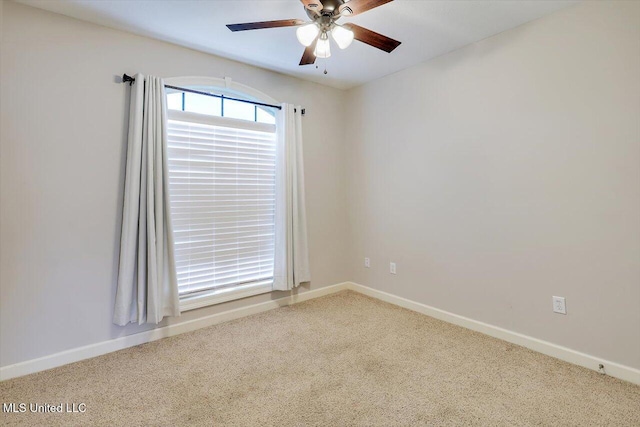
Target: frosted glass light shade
342,36
307,34
323,49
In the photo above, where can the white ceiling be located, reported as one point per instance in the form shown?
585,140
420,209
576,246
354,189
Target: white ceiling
426,29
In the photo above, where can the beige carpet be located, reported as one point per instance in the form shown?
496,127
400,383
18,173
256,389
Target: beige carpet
336,361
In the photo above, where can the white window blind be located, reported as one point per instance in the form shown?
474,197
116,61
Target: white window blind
222,194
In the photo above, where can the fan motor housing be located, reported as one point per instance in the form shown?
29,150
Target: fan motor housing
329,8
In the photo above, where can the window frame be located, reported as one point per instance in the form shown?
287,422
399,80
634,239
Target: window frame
226,84
217,296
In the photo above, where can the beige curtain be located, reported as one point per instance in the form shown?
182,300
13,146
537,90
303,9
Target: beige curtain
147,284
291,266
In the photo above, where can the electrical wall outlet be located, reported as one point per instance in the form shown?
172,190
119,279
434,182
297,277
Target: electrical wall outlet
367,262
559,305
392,268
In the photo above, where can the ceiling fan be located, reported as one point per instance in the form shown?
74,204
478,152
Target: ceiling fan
314,35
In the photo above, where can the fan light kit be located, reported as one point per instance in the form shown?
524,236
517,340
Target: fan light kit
314,35
342,36
323,48
307,34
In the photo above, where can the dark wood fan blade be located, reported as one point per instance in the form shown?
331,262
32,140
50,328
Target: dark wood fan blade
308,57
372,38
355,7
314,5
265,24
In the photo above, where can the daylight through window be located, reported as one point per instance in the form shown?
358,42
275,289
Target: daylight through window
221,157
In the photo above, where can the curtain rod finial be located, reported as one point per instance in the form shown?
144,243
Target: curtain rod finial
126,78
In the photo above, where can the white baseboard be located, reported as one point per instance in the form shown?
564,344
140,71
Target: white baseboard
93,350
559,352
77,354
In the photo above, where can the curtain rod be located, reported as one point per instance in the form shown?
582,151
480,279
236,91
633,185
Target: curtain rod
128,79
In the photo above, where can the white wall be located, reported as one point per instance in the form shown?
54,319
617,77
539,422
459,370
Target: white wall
506,172
62,170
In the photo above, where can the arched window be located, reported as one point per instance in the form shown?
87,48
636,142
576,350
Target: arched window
226,105
221,156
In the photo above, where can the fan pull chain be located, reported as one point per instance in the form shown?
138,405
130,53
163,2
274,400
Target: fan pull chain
325,66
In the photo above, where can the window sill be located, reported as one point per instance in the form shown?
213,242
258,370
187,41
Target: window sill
224,295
